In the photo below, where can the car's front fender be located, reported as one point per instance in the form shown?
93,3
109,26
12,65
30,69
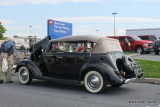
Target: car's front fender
106,70
31,66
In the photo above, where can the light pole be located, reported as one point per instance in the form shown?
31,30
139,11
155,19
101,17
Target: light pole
97,32
30,30
35,39
114,22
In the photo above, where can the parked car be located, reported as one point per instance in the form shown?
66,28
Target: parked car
97,61
156,47
136,44
148,37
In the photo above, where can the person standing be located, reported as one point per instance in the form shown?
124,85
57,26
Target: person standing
7,51
22,47
126,45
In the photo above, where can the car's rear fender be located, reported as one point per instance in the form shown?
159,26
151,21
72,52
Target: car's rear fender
31,67
106,70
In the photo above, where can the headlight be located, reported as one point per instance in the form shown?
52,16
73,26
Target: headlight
146,44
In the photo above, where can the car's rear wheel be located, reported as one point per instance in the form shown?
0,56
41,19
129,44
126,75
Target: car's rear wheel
24,75
94,82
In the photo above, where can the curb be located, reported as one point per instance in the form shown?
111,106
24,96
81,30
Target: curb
148,80
134,55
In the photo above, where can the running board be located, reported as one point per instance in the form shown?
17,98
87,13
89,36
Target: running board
129,80
61,80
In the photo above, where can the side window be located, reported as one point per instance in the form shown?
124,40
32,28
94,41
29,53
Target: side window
89,46
129,39
71,47
58,47
80,47
121,38
62,46
144,38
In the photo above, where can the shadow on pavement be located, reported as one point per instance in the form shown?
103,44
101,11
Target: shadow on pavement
77,88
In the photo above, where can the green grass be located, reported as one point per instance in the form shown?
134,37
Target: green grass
151,68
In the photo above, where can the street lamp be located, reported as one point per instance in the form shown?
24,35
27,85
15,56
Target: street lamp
30,30
97,32
35,39
114,22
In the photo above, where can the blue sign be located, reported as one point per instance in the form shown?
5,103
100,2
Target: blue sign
57,29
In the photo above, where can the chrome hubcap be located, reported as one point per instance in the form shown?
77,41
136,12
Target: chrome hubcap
94,82
24,75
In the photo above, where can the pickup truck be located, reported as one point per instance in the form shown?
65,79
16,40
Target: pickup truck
136,44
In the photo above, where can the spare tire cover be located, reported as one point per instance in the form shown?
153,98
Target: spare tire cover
129,65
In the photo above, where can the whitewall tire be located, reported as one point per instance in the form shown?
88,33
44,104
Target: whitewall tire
94,82
24,75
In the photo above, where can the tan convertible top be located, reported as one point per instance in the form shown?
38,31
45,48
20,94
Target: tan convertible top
92,38
103,44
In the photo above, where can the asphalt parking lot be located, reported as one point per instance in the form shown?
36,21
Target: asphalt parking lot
150,56
50,94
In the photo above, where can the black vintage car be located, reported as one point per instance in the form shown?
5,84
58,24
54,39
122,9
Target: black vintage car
156,47
95,61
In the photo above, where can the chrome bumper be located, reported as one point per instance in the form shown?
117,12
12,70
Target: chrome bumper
139,70
139,73
148,49
129,80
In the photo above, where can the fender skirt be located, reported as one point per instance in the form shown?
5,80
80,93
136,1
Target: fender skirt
32,67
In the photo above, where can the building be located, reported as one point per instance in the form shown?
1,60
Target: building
26,41
148,31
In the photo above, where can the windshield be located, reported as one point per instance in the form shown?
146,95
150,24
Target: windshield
136,38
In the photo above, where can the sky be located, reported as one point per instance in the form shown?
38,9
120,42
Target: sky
92,17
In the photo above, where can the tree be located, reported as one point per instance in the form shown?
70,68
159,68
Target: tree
2,30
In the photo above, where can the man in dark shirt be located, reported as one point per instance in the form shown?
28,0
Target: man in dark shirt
7,51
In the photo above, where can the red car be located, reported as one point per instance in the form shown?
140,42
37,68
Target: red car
136,44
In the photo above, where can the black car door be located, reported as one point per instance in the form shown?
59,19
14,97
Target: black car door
54,61
74,62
